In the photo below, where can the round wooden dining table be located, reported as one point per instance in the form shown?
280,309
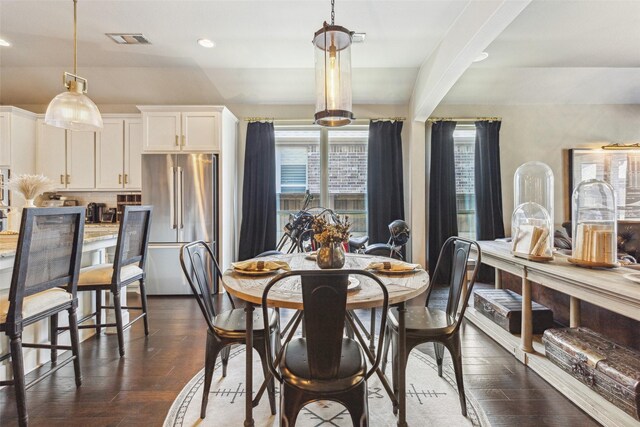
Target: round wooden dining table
287,294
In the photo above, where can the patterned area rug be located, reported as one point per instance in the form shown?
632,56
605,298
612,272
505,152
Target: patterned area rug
431,400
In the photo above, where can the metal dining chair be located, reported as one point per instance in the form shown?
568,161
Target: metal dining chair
442,327
323,365
44,281
126,269
226,328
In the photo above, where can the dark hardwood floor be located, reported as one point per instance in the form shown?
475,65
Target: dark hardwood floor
138,390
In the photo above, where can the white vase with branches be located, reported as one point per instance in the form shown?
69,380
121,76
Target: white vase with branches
30,186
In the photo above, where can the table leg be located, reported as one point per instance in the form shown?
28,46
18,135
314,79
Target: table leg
402,350
248,312
574,312
527,318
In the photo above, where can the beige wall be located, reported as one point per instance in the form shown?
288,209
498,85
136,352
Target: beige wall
542,132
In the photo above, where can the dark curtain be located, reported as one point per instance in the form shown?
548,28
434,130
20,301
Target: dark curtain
489,225
443,215
258,230
385,191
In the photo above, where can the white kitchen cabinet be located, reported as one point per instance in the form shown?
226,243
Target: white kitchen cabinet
5,139
181,128
162,130
51,154
81,168
110,155
133,154
200,131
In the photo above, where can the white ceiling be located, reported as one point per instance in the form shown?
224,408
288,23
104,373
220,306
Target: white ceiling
560,52
263,53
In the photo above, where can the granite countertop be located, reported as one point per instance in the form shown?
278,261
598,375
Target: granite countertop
9,243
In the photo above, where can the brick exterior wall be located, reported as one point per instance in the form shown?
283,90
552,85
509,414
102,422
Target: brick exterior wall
347,169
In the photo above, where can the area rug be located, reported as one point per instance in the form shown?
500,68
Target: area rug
431,400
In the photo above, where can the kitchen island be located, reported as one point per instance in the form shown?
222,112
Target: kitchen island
99,242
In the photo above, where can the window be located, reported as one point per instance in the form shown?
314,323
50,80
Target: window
464,157
338,182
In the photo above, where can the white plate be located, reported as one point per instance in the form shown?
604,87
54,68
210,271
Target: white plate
354,284
634,277
256,273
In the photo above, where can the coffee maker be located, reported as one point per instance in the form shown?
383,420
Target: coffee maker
94,212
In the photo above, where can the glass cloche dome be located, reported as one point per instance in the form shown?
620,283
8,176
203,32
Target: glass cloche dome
532,219
531,228
594,225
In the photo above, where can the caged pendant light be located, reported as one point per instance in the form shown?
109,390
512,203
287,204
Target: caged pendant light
333,74
73,109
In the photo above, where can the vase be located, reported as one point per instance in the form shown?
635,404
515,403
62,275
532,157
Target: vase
330,256
28,203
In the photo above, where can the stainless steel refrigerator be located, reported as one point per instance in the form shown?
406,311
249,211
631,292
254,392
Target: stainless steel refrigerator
183,191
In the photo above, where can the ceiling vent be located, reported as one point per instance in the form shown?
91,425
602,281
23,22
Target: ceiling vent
358,37
128,38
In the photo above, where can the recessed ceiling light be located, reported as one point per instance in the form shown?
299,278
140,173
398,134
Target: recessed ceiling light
4,43
206,43
481,57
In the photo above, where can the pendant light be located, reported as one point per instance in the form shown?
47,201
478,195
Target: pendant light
333,74
73,109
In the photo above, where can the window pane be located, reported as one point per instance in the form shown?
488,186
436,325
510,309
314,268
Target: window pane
348,175
464,152
297,169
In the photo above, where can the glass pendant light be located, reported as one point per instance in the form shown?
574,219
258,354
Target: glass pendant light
333,74
73,109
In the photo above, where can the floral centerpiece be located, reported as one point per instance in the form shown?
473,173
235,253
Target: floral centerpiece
330,237
30,186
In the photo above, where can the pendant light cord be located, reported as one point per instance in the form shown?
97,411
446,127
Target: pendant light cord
75,37
333,13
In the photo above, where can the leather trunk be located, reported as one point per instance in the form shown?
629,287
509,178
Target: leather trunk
613,371
504,307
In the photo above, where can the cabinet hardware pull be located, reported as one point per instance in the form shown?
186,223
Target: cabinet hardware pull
68,179
119,178
177,141
61,179
126,178
184,140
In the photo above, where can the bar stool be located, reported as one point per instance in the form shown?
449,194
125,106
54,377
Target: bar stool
127,268
44,281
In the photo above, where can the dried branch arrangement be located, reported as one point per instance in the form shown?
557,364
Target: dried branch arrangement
326,233
30,186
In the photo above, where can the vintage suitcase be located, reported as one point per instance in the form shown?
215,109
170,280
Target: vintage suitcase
504,307
613,371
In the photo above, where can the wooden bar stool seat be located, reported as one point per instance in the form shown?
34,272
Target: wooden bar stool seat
44,281
127,269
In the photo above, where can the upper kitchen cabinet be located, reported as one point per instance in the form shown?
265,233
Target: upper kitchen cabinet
17,140
51,157
182,128
119,154
81,168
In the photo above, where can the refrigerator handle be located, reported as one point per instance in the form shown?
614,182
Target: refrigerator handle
181,173
172,211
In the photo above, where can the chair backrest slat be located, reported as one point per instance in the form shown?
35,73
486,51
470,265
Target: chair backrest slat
200,268
325,302
133,238
459,260
48,254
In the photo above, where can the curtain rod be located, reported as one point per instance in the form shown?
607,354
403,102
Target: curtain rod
464,119
271,119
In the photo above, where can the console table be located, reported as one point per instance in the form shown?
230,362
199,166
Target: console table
604,288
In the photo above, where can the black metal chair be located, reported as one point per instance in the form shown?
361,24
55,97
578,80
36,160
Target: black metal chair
324,365
127,268
226,328
44,281
429,324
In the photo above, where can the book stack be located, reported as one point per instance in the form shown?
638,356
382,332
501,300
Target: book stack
531,240
594,243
